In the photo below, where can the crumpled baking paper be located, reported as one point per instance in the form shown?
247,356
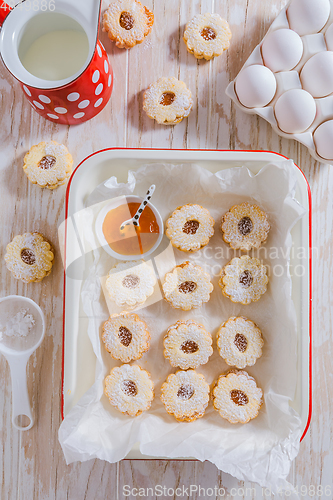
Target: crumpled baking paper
261,450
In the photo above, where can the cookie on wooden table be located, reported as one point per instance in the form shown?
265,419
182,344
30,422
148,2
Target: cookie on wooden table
207,36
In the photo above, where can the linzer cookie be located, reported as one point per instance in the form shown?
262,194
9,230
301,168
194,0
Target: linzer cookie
125,336
207,36
167,101
190,227
127,22
185,395
130,283
245,226
130,389
244,280
237,398
29,257
187,344
187,286
239,342
48,164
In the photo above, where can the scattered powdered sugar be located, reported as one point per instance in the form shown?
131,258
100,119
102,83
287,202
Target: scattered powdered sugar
57,150
18,326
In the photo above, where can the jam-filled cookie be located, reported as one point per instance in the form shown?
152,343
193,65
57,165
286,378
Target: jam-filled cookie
207,36
185,395
29,257
125,336
190,227
130,283
237,397
130,389
48,164
187,286
127,22
239,342
187,344
244,280
167,101
245,226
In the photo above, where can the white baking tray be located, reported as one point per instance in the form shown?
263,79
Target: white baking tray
78,357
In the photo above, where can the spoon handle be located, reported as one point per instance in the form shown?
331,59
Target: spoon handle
22,418
136,217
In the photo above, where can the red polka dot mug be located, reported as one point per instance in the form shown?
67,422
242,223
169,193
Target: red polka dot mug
51,47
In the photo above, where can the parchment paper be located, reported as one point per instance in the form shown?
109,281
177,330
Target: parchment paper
259,451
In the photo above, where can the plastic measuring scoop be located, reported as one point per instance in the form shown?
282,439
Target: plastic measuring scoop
17,350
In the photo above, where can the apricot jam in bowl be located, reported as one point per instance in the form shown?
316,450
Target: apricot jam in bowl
130,243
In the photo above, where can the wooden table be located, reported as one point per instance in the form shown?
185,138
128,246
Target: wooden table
32,463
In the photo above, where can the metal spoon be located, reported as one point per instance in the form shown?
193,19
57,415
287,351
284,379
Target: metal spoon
135,219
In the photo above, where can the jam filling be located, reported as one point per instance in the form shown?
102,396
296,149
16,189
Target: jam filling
28,256
208,34
129,388
185,392
245,226
47,162
131,281
187,287
189,347
167,98
125,336
239,397
126,21
191,227
240,342
246,279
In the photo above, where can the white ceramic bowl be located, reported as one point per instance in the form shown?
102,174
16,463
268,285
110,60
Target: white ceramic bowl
114,204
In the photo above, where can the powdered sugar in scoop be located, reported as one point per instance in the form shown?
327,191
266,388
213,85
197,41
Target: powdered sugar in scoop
18,326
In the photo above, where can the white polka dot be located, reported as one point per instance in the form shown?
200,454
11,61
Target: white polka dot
55,117
102,45
27,91
109,81
99,102
106,66
99,50
44,98
78,115
74,96
95,76
99,89
83,104
38,104
61,111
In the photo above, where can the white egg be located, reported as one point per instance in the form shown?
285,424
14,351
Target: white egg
255,86
308,16
323,139
282,50
317,74
295,111
329,37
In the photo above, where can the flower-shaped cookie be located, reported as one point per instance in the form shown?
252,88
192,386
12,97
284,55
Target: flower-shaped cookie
187,286
48,164
190,227
239,342
244,280
207,36
245,226
29,257
236,397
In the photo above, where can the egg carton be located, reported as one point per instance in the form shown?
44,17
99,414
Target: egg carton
290,83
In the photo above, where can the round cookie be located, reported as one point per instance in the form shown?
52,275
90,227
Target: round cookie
190,227
239,342
207,36
187,344
245,226
48,164
236,397
167,101
187,286
130,283
130,389
125,336
185,395
127,22
29,257
244,280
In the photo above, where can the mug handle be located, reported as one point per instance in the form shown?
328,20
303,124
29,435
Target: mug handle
4,11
